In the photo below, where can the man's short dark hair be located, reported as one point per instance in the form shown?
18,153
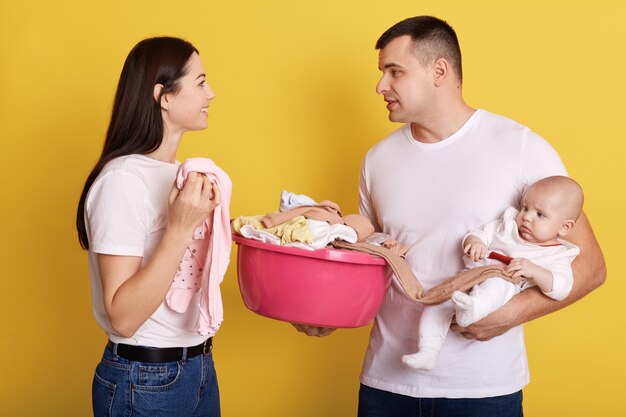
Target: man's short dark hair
433,38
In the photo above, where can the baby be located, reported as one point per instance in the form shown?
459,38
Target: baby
549,210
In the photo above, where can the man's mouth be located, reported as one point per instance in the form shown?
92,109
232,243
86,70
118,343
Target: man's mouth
391,103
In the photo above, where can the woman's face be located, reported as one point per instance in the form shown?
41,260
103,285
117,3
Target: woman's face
188,108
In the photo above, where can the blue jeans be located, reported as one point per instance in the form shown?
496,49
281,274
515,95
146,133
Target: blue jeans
377,403
174,389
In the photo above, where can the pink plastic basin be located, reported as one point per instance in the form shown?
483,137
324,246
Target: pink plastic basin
325,287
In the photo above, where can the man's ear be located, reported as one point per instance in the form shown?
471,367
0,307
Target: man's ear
566,227
161,99
441,69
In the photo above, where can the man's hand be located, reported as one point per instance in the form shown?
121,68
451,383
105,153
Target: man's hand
312,330
495,324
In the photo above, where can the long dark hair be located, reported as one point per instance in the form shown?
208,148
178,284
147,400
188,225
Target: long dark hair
136,125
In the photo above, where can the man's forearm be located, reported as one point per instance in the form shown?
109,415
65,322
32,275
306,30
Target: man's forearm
589,273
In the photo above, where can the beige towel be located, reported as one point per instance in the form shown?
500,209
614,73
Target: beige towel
463,281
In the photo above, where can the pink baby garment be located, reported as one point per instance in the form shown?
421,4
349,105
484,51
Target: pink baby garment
206,259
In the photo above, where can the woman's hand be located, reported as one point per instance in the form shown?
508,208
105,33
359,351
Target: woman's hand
189,207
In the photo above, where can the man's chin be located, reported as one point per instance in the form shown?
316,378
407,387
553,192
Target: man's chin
395,118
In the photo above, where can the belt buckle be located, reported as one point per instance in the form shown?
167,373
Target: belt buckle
204,347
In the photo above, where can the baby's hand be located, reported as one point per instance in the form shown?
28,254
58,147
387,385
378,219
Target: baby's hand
531,273
522,267
475,249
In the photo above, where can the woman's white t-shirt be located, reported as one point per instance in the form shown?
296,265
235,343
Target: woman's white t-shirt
126,214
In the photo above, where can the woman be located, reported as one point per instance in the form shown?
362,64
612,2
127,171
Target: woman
137,227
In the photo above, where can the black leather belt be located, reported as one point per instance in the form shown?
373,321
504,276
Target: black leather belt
153,355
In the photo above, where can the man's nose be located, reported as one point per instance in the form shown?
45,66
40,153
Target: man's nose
382,86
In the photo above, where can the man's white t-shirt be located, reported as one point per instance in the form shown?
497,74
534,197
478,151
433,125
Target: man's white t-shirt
429,196
126,215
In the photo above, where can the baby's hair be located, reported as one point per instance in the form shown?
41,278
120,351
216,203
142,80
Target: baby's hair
568,190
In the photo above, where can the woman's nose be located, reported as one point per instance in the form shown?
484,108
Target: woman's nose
210,93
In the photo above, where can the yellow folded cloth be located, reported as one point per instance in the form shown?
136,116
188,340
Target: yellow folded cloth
294,230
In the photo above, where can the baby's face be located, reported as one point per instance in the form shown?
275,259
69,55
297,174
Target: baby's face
541,217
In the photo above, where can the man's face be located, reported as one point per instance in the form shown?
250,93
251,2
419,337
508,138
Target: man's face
406,84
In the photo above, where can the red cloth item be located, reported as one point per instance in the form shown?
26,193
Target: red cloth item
500,257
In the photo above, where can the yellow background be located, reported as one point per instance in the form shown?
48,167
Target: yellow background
295,109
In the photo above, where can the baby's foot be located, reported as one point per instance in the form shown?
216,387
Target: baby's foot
466,311
425,359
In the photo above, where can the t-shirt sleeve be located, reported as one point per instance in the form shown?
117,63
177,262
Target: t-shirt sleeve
539,160
116,215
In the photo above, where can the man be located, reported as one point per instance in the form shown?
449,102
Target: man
449,169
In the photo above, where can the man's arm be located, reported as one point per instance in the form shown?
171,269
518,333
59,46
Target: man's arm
589,273
313,330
